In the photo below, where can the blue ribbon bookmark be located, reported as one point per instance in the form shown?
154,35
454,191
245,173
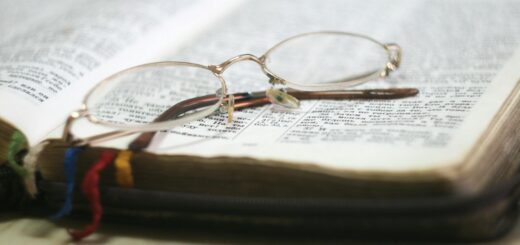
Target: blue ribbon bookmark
71,158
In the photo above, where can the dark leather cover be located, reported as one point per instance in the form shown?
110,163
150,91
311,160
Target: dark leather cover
466,218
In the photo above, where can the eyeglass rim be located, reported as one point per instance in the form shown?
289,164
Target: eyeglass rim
154,126
383,72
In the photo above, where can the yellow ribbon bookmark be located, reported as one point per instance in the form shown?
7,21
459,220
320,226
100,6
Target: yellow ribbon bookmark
124,175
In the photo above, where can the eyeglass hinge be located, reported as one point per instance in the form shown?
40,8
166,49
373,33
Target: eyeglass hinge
394,56
67,135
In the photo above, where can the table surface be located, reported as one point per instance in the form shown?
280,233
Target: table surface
21,230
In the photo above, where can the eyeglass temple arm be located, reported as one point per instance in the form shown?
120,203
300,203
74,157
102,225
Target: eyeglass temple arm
255,99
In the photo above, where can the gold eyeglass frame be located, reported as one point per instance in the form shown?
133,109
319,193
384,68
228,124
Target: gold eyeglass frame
229,102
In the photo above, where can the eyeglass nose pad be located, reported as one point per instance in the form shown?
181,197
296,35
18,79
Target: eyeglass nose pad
230,107
282,98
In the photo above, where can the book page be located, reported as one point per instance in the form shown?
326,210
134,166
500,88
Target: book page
460,55
50,59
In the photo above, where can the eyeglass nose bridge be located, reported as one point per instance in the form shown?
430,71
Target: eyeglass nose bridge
219,69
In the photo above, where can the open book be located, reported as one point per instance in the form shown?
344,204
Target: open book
458,136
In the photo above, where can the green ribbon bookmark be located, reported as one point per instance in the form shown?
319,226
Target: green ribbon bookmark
17,143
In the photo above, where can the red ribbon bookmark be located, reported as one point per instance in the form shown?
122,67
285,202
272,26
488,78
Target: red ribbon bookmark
90,187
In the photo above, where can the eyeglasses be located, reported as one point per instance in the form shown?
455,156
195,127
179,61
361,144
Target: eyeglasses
158,96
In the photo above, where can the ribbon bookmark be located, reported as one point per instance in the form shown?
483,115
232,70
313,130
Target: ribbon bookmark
17,144
71,158
90,187
30,162
124,175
